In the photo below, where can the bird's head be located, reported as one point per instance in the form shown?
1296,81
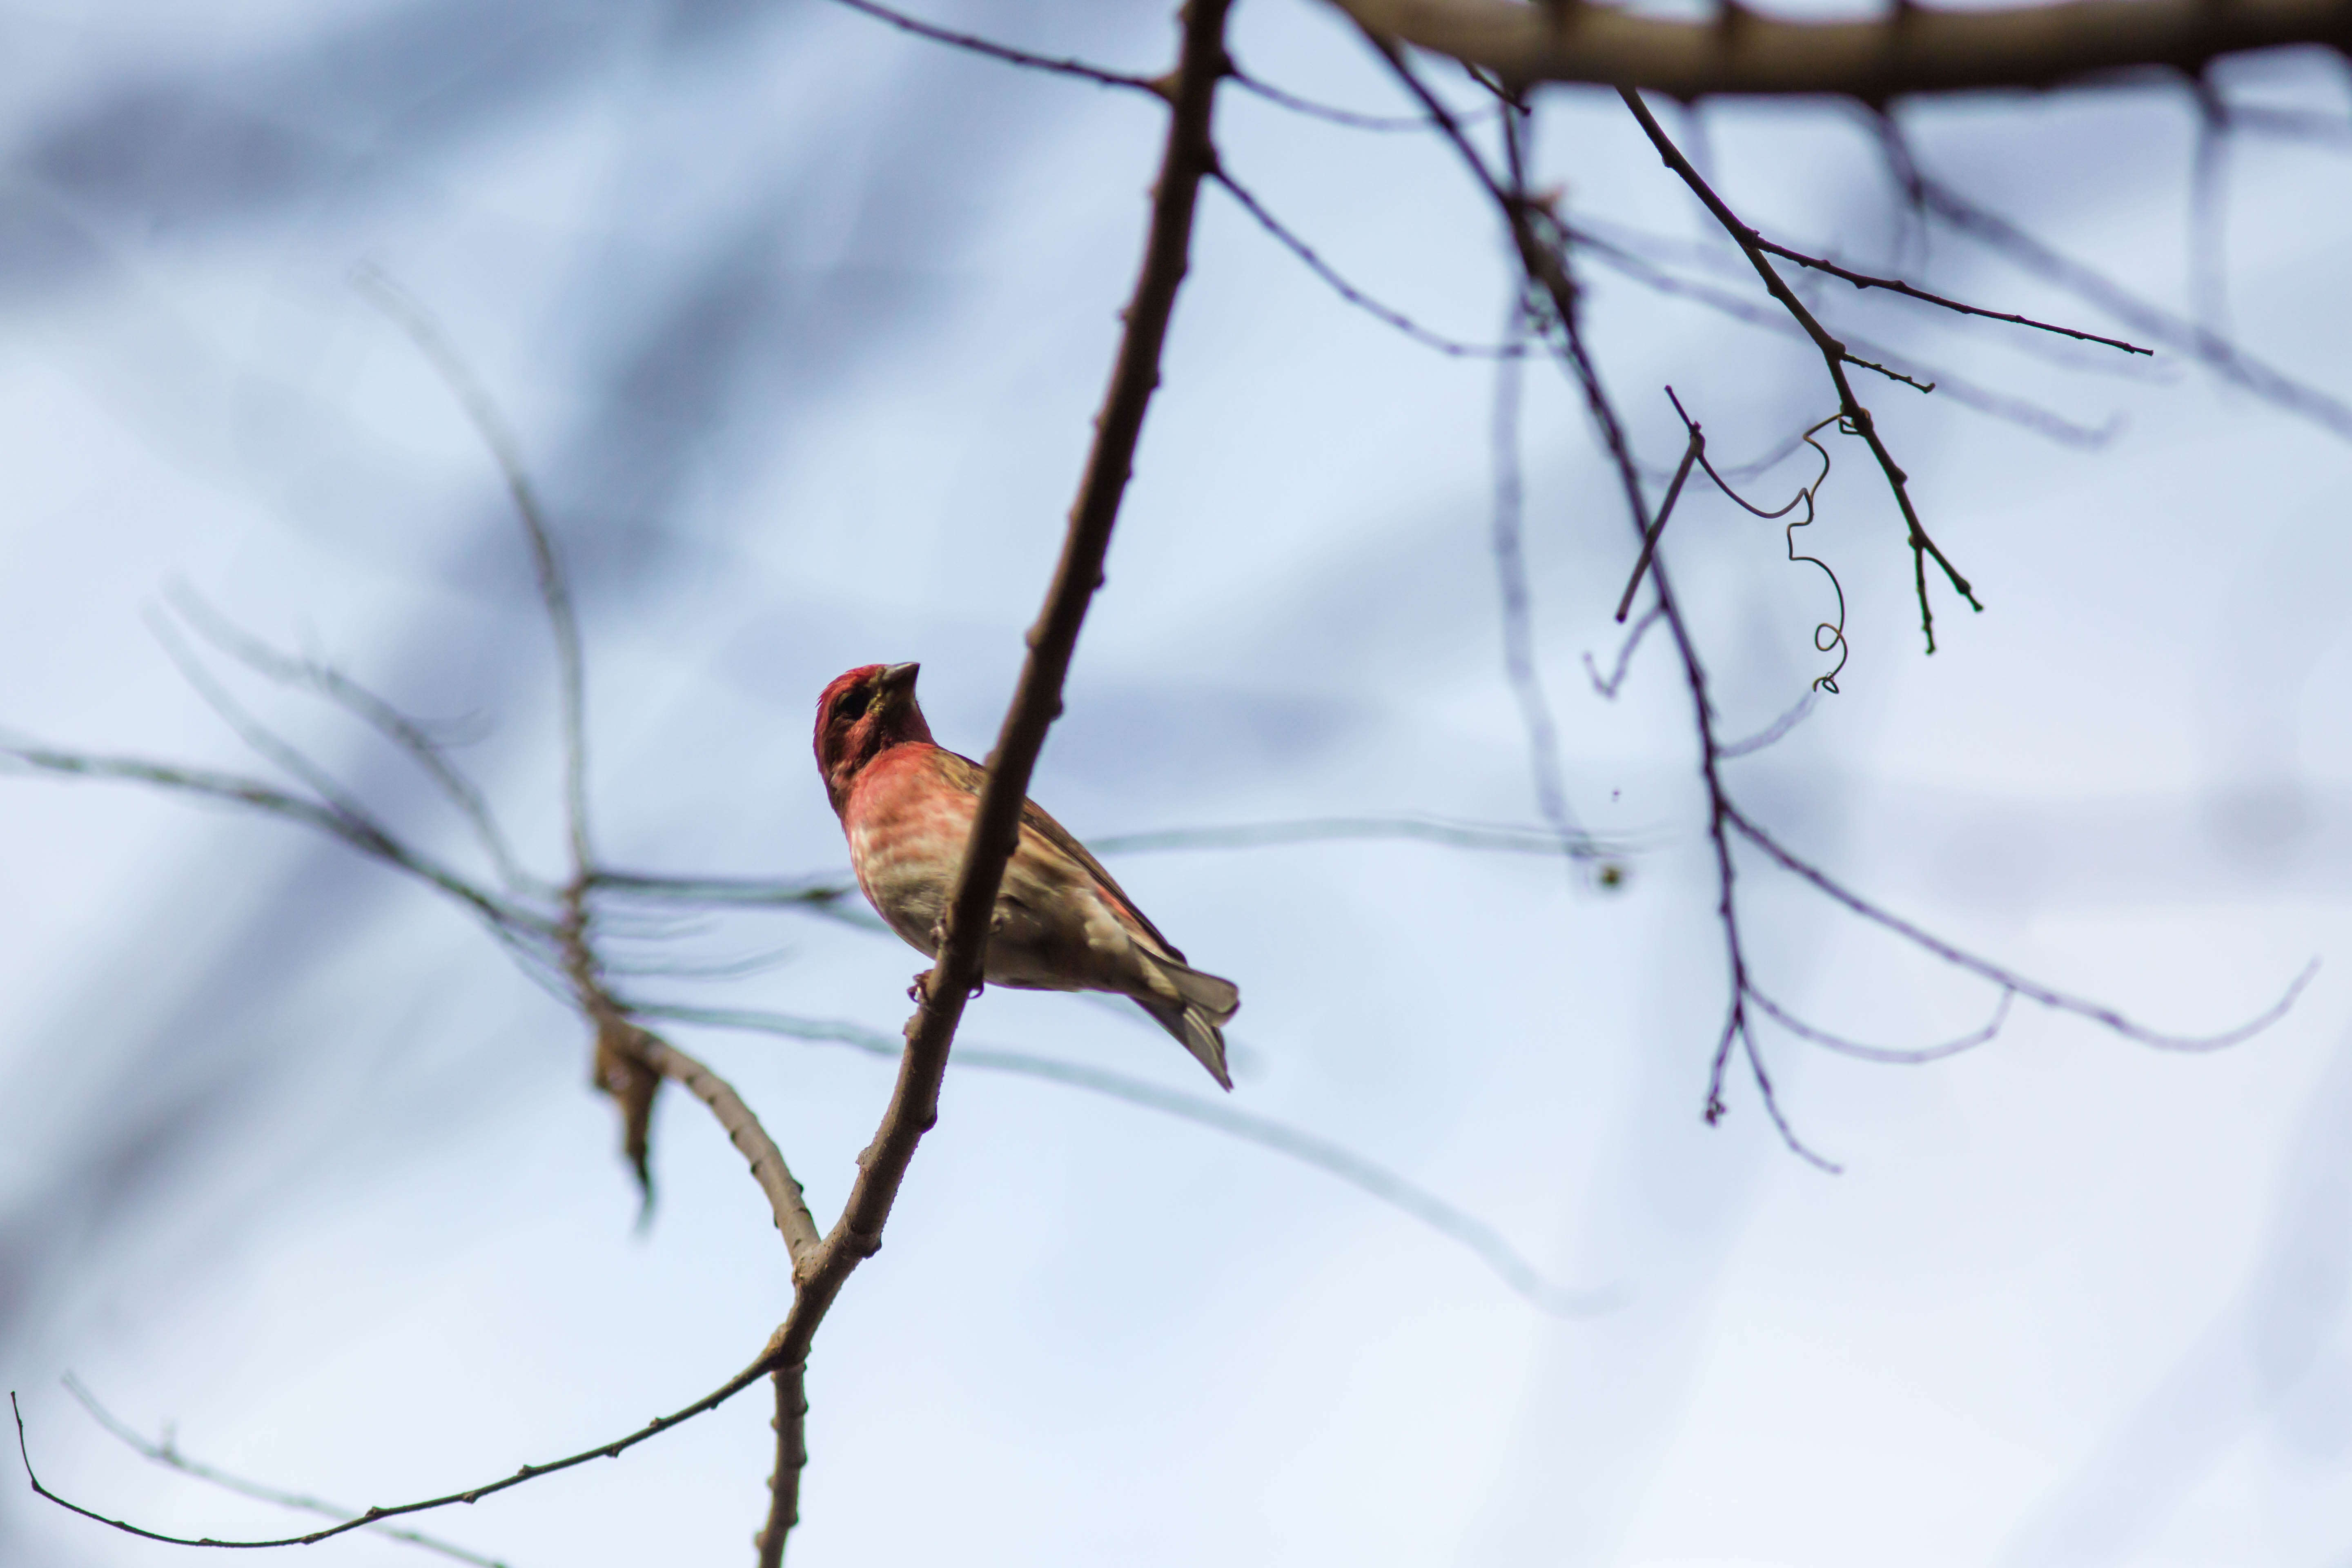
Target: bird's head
861,715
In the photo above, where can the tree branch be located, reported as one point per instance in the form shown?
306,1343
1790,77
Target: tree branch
166,1452
1910,49
1189,156
1833,356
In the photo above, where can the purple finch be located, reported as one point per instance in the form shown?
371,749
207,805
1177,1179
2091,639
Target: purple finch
1061,923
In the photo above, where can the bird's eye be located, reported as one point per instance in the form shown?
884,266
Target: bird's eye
856,704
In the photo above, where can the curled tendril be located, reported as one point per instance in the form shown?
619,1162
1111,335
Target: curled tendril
1829,636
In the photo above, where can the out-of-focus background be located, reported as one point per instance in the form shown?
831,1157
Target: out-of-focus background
801,323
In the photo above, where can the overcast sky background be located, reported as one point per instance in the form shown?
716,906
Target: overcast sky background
802,323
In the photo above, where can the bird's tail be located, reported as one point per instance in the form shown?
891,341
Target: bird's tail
1201,1003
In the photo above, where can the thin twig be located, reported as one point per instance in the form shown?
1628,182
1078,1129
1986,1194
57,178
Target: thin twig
1322,1154
1347,117
1608,689
2216,353
1691,454
1865,281
973,44
790,1209
2010,980
507,452
387,721
358,832
1354,296
612,1450
1543,261
2018,410
1883,1055
1834,357
166,1452
1509,548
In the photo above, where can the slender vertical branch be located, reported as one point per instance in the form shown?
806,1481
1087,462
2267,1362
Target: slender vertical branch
1187,157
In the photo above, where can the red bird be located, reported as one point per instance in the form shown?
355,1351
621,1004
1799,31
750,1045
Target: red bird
1061,924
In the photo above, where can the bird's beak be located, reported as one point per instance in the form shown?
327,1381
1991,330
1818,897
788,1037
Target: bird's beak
900,677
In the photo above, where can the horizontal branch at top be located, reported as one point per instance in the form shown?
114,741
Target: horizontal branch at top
1911,49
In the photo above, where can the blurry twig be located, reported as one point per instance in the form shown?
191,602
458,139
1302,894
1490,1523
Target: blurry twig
1347,117
1509,548
1323,1155
165,1452
2009,979
1348,291
2218,353
973,43
1616,678
492,425
331,683
2022,412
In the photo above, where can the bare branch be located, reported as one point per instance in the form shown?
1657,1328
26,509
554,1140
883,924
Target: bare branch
612,1450
419,323
1347,117
790,1209
1882,1054
1349,291
1863,280
1506,837
1509,548
1835,357
165,1452
1909,50
1691,454
2216,353
1188,157
354,830
973,43
1608,689
1308,1149
2010,980
1797,713
2016,410
364,704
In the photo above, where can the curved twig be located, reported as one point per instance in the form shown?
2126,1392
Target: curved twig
1386,314
166,1452
2008,979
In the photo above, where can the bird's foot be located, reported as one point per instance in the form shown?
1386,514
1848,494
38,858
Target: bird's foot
915,992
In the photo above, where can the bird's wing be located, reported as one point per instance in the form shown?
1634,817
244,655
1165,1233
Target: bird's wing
968,775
